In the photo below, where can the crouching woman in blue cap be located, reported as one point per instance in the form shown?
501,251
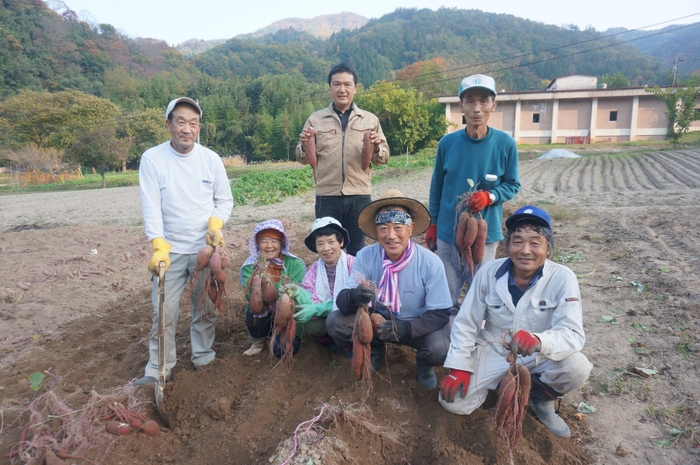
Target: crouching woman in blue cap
536,305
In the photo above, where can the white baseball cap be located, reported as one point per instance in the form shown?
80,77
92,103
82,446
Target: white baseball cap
171,105
477,81
310,240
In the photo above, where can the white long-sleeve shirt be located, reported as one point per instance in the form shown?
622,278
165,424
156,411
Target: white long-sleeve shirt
550,309
179,192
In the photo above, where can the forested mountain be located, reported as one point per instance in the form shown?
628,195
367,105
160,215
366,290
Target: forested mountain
320,26
680,40
257,92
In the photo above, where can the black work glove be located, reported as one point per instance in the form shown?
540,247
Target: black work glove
361,295
394,331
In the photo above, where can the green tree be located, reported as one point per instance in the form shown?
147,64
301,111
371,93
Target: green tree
680,107
614,80
141,130
51,119
404,114
98,148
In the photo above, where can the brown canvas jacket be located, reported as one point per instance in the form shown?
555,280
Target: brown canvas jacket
338,170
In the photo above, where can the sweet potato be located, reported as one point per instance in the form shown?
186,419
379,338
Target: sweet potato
367,149
311,148
255,302
51,459
150,428
118,428
224,257
377,319
480,241
357,357
285,308
524,383
472,228
135,423
506,397
461,229
364,326
203,255
269,291
215,262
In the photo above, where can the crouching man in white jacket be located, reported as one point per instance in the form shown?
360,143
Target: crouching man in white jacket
533,303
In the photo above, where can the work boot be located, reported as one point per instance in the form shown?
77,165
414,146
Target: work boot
426,375
544,411
145,381
377,356
542,399
257,347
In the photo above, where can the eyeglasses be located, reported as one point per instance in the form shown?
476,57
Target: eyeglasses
269,241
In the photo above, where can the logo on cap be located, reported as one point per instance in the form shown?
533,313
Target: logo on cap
528,211
477,81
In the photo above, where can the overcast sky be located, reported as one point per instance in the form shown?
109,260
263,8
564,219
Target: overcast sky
178,20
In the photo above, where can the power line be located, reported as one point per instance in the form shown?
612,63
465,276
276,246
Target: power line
300,98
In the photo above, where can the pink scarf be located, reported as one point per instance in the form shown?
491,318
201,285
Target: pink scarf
388,290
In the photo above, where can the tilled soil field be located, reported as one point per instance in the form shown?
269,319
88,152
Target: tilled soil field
626,223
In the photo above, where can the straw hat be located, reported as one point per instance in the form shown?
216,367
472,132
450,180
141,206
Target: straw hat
420,214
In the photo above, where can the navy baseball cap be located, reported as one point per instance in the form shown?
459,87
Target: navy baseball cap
529,212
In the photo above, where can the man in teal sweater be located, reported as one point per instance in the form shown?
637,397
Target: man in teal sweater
489,159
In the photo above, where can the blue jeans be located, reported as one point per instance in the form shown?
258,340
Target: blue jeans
457,272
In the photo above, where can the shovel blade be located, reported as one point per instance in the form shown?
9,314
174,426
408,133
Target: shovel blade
160,405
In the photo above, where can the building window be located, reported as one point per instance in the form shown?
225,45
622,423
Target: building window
464,120
535,117
613,116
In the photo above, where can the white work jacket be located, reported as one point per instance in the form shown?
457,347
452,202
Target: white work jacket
550,309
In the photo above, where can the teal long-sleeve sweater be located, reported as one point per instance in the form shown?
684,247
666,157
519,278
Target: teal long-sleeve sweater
459,158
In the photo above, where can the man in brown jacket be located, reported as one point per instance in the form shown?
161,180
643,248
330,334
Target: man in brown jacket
342,187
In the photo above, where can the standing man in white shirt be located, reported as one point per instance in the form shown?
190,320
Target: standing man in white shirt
186,199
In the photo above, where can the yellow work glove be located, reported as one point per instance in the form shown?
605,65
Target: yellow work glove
161,253
214,236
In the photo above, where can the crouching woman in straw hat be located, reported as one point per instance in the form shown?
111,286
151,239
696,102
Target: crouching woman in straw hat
411,292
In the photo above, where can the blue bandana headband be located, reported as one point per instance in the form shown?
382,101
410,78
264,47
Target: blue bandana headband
393,216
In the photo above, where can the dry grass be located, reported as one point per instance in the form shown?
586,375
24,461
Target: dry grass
233,161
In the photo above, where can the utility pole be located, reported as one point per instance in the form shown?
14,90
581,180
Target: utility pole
675,65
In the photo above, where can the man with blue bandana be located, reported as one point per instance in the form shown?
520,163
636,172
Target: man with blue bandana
400,280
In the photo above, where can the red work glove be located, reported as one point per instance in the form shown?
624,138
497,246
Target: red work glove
431,237
478,201
525,343
454,381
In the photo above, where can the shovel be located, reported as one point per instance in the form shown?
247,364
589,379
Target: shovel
160,383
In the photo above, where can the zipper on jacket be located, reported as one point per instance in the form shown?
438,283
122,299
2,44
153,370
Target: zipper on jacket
342,161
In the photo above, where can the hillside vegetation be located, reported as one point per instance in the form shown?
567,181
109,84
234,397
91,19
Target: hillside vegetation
257,92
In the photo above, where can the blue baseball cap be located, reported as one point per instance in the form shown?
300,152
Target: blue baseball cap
529,212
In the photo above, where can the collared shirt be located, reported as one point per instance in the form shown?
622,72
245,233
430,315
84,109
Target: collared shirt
344,117
515,292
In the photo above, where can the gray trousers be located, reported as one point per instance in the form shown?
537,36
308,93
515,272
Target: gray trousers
458,273
563,376
430,349
204,316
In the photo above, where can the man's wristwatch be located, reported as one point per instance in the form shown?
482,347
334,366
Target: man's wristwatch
492,196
